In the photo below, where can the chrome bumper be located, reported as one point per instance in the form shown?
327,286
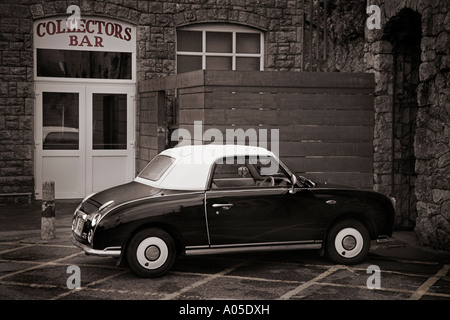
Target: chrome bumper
107,252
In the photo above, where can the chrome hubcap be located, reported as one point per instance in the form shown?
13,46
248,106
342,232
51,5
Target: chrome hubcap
152,253
349,242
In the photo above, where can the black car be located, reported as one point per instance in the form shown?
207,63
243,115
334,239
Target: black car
208,199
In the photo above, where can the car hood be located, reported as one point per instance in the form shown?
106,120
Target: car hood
122,193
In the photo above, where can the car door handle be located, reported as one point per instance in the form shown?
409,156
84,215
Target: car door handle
225,206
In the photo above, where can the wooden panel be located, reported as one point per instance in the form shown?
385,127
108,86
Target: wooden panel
320,123
326,133
194,100
297,117
289,100
352,179
304,149
333,164
289,79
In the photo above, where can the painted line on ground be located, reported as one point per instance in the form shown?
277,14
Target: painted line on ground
203,281
72,291
305,285
423,289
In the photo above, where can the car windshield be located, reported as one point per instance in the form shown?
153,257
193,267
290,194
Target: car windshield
156,168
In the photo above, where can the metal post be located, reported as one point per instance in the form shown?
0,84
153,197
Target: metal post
48,211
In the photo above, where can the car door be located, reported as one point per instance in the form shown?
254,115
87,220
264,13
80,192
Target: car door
245,207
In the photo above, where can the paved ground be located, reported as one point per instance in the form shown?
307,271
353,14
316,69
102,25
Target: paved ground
33,269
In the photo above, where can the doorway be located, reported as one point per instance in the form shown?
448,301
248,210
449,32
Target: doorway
84,137
404,32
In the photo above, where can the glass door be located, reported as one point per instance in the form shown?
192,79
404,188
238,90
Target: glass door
59,136
84,138
110,137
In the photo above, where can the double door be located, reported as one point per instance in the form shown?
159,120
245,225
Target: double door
84,137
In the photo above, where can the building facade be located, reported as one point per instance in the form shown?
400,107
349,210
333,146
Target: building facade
70,109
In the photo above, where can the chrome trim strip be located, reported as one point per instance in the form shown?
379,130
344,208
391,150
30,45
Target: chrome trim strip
206,219
107,252
253,247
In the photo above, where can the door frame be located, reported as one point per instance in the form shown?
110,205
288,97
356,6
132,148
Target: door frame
85,91
129,152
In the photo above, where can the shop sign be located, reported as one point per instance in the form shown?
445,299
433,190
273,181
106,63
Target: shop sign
93,34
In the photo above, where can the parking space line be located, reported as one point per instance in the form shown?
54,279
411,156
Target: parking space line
203,281
16,248
65,294
240,277
305,285
39,265
422,290
30,285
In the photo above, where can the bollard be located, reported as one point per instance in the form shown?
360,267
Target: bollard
48,211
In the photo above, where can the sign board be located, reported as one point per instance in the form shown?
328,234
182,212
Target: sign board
89,33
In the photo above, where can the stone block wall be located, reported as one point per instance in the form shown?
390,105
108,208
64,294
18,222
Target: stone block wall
432,132
16,101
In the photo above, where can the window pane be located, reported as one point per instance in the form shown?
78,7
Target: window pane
190,41
219,42
248,43
109,124
60,121
247,63
218,63
83,64
156,168
188,63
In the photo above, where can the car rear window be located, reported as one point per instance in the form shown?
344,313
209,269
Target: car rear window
156,168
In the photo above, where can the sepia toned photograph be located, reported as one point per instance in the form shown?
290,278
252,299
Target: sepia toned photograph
225,158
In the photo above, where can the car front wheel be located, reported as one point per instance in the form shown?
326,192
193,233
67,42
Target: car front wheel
151,253
348,242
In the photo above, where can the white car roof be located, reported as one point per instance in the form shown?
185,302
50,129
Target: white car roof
191,167
211,152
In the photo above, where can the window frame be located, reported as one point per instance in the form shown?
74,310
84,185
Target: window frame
226,28
56,45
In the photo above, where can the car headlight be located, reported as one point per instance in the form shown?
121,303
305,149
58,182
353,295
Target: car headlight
95,219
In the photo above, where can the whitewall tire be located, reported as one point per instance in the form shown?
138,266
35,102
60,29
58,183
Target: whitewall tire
151,253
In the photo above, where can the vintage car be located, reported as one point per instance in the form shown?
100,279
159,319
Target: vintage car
211,199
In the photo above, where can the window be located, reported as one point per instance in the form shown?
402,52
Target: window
83,64
60,121
156,168
248,173
109,121
219,47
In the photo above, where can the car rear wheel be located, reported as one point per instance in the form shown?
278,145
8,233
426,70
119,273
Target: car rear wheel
348,242
151,253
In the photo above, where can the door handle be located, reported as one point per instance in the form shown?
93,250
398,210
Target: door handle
225,206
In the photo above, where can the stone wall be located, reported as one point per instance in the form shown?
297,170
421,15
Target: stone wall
432,133
16,101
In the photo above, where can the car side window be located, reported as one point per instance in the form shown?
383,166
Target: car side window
251,172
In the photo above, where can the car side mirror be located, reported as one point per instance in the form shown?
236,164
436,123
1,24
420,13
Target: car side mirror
293,183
